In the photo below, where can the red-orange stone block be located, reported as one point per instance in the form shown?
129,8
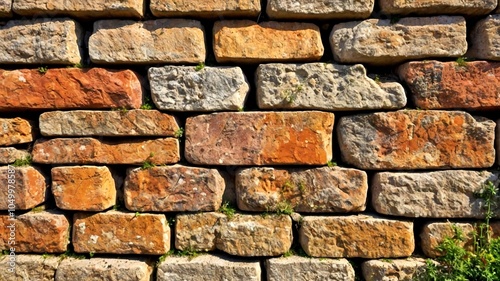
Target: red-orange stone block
23,186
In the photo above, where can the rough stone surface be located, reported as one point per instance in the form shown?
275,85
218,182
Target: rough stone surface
254,235
434,234
29,267
93,151
245,41
498,142
9,155
208,267
393,270
305,190
205,9
305,269
84,188
360,236
116,232
415,139
324,86
69,88
260,138
442,194
80,9
36,232
41,41
108,123
433,7
319,9
27,186
185,88
154,41
14,131
441,85
5,8
485,37
378,42
97,269
196,232
173,188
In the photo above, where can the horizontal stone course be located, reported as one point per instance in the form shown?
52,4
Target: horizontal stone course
69,88
319,9
433,7
398,269
25,187
96,269
29,267
205,9
245,41
9,155
484,38
15,131
304,269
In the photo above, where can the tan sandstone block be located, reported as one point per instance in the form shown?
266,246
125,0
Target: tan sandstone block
305,269
197,232
98,269
485,37
15,131
23,186
29,267
205,9
5,8
434,7
319,9
393,270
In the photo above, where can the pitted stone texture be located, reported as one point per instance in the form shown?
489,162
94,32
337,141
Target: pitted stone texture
255,235
25,186
36,232
14,131
208,267
378,42
305,269
116,232
9,155
324,86
93,151
434,234
319,9
260,138
196,232
41,41
83,188
69,88
305,190
29,267
442,194
154,41
441,85
173,188
498,142
108,123
183,88
415,139
97,269
434,7
485,37
245,41
393,270
360,236
205,9
5,8
80,9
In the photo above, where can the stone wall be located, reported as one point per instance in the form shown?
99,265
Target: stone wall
282,140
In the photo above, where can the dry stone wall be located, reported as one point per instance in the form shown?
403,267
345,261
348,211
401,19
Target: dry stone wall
243,140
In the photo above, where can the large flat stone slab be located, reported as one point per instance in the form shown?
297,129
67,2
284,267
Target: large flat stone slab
304,269
435,7
319,9
97,269
205,9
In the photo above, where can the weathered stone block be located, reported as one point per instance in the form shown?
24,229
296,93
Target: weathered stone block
97,269
116,232
441,85
83,188
360,236
323,86
205,9
319,9
484,37
415,139
245,41
23,186
173,188
397,270
93,151
305,190
208,267
154,41
434,234
498,142
378,42
186,88
434,7
255,235
196,232
442,194
41,41
260,138
80,9
69,88
5,8
14,131
35,232
304,269
108,123
29,267
9,155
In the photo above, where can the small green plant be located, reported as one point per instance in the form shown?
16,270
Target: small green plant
79,65
461,61
45,256
122,109
171,221
147,165
291,95
288,186
227,209
284,208
38,209
200,66
179,133
117,207
71,254
289,253
91,254
147,104
331,164
43,69
241,109
377,79
302,187
4,253
26,161
137,214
